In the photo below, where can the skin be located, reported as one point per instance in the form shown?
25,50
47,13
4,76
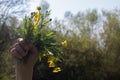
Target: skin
24,61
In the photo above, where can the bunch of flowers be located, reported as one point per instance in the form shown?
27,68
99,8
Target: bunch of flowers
34,30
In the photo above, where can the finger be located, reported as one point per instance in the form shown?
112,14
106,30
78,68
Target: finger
24,45
34,53
13,46
15,53
20,50
33,49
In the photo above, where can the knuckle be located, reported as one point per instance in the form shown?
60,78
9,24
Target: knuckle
12,50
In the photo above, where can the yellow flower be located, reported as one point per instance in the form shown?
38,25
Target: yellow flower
38,8
34,26
64,43
51,64
44,54
57,69
37,17
51,59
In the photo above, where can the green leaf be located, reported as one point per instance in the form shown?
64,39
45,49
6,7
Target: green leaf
50,34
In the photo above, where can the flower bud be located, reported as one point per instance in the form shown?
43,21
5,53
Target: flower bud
38,8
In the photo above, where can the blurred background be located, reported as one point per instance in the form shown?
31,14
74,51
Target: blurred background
92,29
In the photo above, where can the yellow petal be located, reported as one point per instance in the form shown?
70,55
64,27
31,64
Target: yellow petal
64,43
37,17
44,54
51,59
57,69
51,64
34,26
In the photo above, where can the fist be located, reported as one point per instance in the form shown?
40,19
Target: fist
24,52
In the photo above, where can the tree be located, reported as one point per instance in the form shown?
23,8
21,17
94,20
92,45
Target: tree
9,9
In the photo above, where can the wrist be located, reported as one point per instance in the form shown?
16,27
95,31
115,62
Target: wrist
24,73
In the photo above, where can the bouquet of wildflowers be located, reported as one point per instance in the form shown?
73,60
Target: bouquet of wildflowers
33,29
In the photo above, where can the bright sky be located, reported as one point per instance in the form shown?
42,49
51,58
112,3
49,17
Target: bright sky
59,7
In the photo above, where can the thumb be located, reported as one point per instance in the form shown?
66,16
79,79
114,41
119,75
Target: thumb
34,52
33,57
33,49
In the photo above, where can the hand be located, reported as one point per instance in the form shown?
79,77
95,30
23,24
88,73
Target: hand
25,55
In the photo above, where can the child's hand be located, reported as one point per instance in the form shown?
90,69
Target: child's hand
25,55
21,56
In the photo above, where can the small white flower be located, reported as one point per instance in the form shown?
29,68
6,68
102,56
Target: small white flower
50,53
